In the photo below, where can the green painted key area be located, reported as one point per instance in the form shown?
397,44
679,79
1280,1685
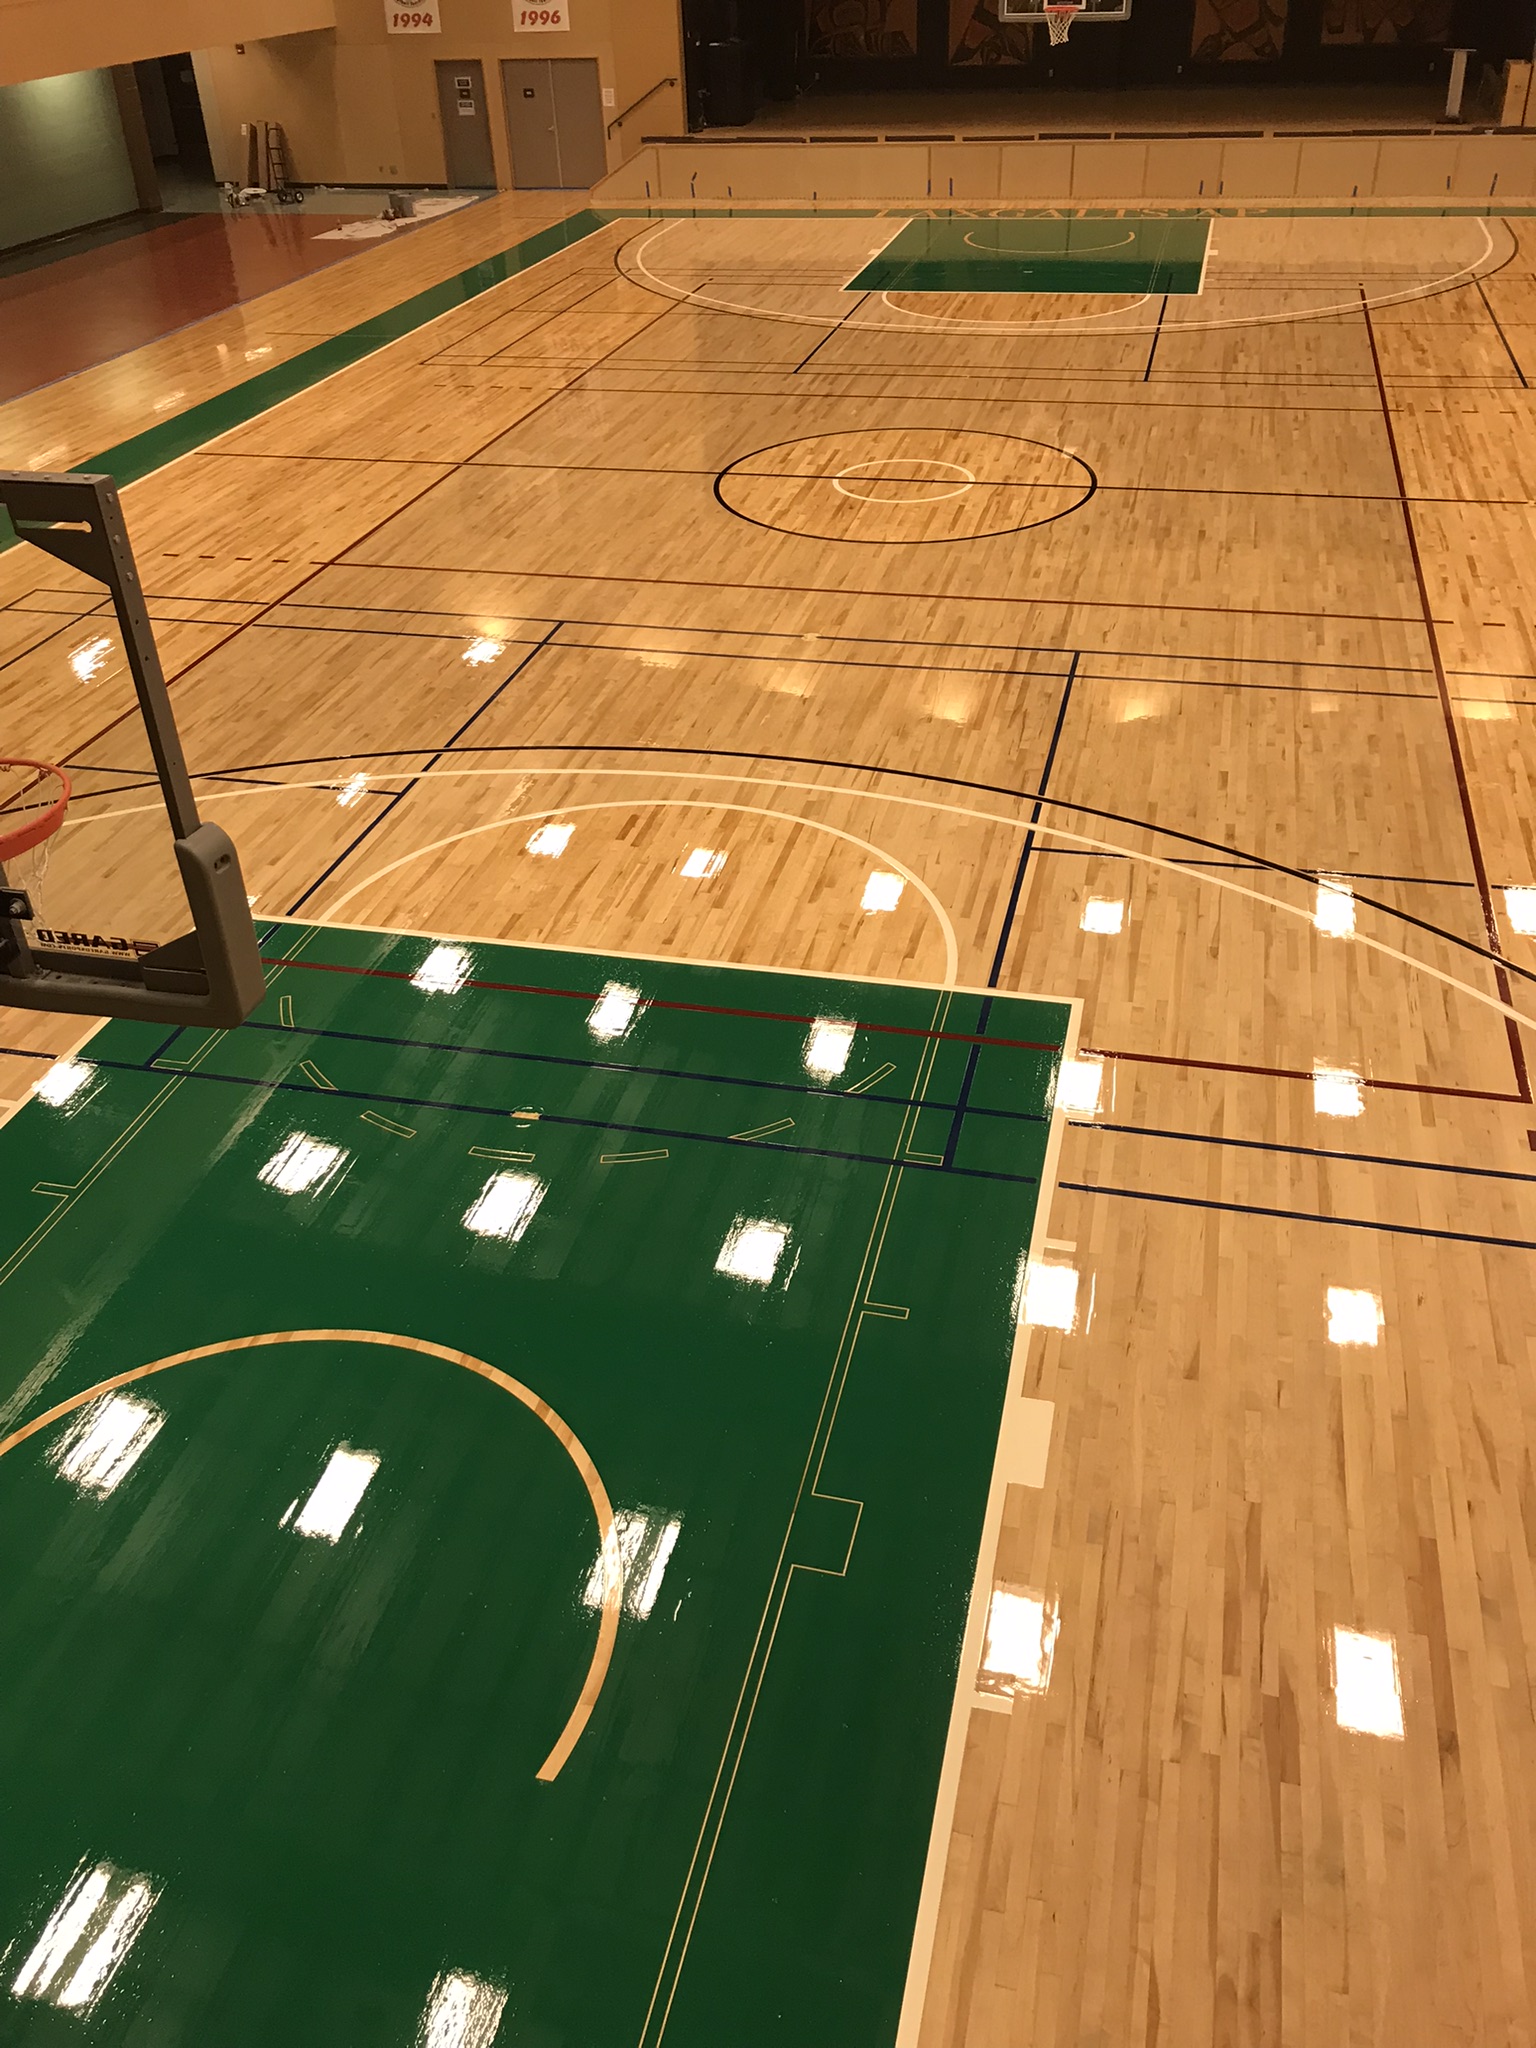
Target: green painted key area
290,1630
1128,253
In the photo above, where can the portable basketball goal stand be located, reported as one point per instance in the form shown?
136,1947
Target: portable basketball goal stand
212,974
1059,15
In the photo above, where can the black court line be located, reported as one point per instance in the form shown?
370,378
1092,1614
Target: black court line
1515,1244
1062,655
863,300
1248,859
1010,912
1452,737
1258,860
400,795
1306,1151
802,476
501,1115
841,595
1503,337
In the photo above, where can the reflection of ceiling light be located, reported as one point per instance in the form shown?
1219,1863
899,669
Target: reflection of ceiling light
334,1501
341,1486
1337,1091
638,1547
611,1014
1334,911
481,651
882,891
302,1163
104,1443
827,1047
1367,1694
752,1250
1103,915
351,790
88,660
551,840
1021,1642
98,1919
1520,909
254,355
505,1206
702,865
652,659
1079,1085
171,398
1354,1316
1486,709
463,2012
1050,1296
65,1078
445,969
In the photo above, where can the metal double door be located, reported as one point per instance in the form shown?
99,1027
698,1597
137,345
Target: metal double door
554,120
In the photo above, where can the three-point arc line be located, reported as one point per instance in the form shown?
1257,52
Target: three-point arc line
575,1450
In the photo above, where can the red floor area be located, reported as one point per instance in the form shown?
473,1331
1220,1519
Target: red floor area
87,308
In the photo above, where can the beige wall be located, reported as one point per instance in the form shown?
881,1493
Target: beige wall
41,38
360,105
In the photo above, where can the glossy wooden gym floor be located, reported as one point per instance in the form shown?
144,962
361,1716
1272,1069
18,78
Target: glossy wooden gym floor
1175,605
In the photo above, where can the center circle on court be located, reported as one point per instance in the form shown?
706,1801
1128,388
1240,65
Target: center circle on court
917,491
913,485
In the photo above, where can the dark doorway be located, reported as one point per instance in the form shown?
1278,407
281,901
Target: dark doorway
173,115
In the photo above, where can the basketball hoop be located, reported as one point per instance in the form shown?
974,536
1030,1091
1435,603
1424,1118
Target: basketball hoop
34,795
1059,17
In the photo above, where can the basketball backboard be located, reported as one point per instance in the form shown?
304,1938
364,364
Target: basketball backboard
128,904
1040,11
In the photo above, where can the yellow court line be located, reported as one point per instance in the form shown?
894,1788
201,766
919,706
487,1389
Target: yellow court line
384,1123
492,1152
613,1580
869,1080
630,1158
785,1123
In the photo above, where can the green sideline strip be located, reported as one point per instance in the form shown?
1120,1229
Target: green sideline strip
156,446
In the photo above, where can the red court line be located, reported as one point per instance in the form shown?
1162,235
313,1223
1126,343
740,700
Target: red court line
587,995
1159,1059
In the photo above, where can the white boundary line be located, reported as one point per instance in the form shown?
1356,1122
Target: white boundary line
1110,846
936,1864
1075,325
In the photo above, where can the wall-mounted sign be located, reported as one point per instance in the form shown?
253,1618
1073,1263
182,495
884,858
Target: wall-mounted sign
533,18
412,21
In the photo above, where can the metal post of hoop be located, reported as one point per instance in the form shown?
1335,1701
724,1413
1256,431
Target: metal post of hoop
210,975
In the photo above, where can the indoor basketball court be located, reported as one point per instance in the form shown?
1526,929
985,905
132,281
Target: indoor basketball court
802,1314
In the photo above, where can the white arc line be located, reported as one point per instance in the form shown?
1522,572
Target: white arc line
1174,867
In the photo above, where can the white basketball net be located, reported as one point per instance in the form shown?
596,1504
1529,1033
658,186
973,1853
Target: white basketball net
1059,21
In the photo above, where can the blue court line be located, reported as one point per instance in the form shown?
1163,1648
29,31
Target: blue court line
501,1115
597,1066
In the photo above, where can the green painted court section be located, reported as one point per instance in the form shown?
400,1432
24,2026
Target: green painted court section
1128,253
755,1240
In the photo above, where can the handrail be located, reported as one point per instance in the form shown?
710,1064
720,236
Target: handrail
619,119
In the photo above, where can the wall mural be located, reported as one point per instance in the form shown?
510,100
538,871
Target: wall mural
976,36
1246,31
1386,21
862,28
